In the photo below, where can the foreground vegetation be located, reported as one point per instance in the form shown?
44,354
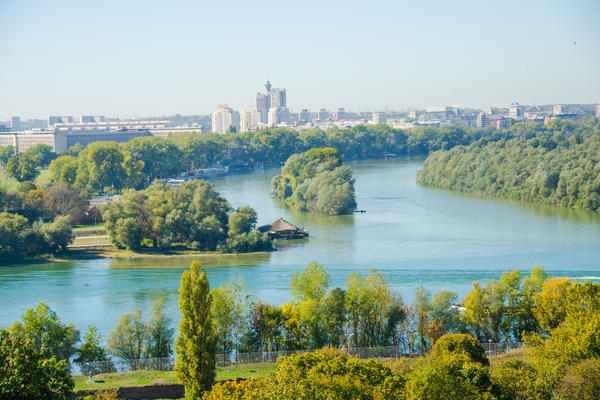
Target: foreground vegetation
558,319
557,163
316,181
149,377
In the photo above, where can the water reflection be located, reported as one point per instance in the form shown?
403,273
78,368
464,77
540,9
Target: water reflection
209,261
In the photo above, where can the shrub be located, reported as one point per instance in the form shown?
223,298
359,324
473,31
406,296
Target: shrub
449,376
460,343
250,389
581,381
516,380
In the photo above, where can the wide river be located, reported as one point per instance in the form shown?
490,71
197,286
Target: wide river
411,234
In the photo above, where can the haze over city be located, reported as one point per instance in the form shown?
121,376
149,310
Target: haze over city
135,58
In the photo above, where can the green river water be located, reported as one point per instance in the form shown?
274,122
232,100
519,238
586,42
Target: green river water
413,235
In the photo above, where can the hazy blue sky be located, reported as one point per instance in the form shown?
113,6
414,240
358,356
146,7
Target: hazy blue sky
135,58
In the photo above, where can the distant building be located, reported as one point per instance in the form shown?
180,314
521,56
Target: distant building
249,119
498,122
53,120
224,118
515,111
559,109
340,114
534,112
304,115
323,114
378,117
15,123
61,140
278,98
278,115
263,104
598,110
482,120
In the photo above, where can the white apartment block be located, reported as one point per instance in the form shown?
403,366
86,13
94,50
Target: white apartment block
249,119
223,118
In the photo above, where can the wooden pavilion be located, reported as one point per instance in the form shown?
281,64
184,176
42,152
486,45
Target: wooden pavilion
281,229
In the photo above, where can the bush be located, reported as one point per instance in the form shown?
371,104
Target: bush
449,376
460,343
247,243
250,389
516,380
581,381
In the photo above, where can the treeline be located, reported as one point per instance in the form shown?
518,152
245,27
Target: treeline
110,166
558,166
316,181
368,313
193,216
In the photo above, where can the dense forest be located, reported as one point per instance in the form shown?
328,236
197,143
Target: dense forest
316,181
558,164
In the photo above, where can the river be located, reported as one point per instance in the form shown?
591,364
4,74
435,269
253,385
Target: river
413,235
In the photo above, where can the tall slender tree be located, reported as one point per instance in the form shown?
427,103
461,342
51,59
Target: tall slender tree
196,344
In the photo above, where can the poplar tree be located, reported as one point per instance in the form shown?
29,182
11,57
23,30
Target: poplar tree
196,344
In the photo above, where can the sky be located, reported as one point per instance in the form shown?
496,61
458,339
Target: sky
149,58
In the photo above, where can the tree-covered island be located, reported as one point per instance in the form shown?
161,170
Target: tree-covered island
316,181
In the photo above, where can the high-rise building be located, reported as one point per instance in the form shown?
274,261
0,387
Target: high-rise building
224,118
340,114
482,120
598,110
515,111
263,104
304,115
249,119
15,123
323,114
278,99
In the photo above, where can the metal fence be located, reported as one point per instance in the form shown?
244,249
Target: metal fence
226,360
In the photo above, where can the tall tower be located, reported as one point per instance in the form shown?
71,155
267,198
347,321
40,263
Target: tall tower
268,86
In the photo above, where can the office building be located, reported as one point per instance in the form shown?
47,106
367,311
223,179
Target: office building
15,123
61,140
340,114
278,98
225,118
263,104
53,120
323,114
249,119
304,115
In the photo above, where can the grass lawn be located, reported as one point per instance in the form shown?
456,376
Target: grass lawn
9,183
140,378
90,227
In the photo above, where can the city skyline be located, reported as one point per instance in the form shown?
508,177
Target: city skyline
71,58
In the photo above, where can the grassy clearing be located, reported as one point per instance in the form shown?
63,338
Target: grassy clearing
10,183
140,378
90,227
